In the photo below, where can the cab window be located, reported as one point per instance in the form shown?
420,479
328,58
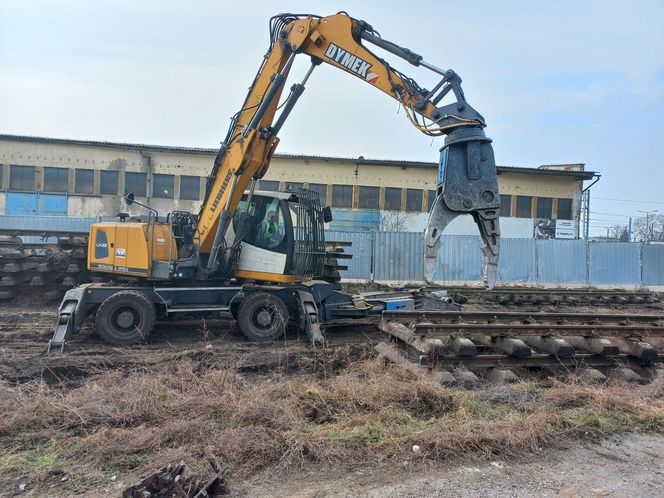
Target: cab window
271,229
101,245
266,227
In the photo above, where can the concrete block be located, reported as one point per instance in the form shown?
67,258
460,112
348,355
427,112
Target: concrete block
461,346
437,376
466,378
8,281
501,376
37,281
591,375
602,347
512,347
29,265
643,351
73,268
551,345
628,375
11,268
44,267
69,282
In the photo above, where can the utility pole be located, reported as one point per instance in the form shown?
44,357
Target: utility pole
586,213
629,230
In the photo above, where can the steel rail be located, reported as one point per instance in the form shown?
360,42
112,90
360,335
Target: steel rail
513,330
538,360
497,316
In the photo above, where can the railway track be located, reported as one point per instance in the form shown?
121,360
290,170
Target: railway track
515,296
465,347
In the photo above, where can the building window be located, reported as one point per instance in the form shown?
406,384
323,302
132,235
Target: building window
56,179
321,188
83,181
135,183
369,197
163,186
523,206
564,209
293,186
413,199
190,187
432,194
544,207
342,196
108,183
505,205
0,176
21,177
268,185
392,199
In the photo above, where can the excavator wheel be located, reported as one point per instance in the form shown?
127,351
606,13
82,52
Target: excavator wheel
125,318
262,317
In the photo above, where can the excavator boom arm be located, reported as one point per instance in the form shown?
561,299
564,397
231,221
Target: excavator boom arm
467,181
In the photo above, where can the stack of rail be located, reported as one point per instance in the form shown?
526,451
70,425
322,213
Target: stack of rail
460,347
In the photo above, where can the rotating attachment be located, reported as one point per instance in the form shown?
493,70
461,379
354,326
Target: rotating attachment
467,184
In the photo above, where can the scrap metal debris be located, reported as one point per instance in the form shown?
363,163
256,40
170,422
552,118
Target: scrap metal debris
176,481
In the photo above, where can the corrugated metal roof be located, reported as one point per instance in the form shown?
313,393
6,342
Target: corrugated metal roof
580,175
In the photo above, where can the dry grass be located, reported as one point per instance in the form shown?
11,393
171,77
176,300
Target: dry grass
131,423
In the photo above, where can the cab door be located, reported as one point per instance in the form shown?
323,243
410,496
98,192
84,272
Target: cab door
101,251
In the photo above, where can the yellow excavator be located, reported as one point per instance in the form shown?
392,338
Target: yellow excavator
255,254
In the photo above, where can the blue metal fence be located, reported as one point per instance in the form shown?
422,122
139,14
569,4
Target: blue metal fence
653,264
614,263
362,250
398,253
399,257
560,261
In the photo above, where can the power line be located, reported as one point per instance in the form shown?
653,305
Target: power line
628,200
610,214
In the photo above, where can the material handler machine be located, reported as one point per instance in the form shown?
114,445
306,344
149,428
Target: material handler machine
254,254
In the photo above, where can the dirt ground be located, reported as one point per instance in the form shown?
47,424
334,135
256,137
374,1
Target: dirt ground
626,465
287,420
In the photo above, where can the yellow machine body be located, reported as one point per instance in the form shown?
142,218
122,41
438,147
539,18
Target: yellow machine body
129,248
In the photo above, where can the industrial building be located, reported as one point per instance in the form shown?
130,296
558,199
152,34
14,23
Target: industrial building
62,177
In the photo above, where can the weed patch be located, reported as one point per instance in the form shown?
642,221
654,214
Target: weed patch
367,412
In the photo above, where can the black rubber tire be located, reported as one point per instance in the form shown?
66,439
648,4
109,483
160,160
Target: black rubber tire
262,317
132,307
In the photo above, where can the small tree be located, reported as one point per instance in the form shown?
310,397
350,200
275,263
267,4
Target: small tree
619,232
393,221
649,228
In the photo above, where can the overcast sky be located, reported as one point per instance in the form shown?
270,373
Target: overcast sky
556,81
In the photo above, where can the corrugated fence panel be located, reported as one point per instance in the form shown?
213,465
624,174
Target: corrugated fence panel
399,256
459,259
653,264
561,261
360,266
518,261
615,263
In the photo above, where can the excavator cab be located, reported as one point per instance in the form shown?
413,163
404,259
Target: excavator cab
282,236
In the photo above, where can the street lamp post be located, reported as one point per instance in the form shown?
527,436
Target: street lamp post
648,222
